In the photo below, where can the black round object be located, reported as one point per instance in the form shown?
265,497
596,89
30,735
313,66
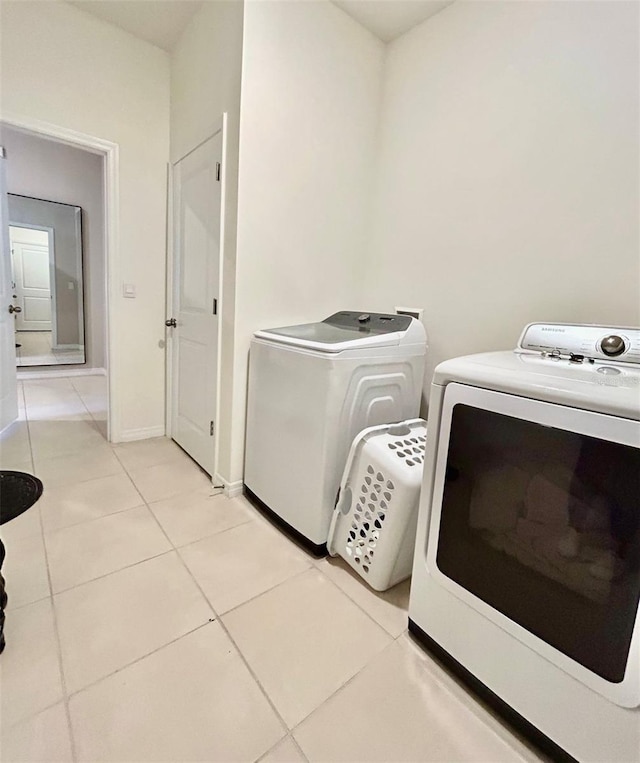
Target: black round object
18,492
613,345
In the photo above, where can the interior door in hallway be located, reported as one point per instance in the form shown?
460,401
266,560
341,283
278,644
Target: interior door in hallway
197,211
8,380
31,277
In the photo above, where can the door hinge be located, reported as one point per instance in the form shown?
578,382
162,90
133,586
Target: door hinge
218,171
211,429
215,306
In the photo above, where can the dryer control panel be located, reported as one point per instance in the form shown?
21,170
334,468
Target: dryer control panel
582,342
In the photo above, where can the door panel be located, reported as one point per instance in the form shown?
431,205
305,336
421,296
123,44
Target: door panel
8,380
197,213
32,286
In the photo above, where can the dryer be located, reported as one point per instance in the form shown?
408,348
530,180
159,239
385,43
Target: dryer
312,389
526,577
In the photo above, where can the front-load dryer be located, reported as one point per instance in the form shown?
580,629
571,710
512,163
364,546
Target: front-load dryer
312,389
526,577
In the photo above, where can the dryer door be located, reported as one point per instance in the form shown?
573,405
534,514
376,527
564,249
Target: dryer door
536,525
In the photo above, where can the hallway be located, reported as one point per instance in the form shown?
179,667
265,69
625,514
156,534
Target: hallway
148,620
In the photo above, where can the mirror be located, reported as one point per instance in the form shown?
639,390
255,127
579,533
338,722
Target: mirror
46,267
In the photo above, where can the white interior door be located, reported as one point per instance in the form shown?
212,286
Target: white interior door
8,380
197,236
31,277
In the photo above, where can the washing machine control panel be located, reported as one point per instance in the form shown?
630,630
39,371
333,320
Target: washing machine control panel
375,323
582,343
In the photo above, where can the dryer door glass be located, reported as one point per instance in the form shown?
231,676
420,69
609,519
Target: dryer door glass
543,525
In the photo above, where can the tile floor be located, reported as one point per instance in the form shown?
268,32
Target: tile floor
151,621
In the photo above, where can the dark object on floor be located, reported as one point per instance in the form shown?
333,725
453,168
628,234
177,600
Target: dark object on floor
3,599
18,345
18,492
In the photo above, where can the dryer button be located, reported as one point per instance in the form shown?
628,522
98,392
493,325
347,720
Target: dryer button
364,318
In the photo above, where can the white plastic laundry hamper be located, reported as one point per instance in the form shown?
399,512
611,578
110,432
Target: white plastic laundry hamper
374,523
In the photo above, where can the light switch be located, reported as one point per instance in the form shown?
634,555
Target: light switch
129,290
70,285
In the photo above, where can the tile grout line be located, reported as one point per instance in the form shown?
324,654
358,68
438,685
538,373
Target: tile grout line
63,681
220,622
86,407
51,531
207,537
98,519
339,688
348,680
342,685
360,607
31,716
80,449
311,566
302,572
279,742
77,482
26,418
51,597
106,516
267,590
113,572
218,619
223,626
66,694
138,659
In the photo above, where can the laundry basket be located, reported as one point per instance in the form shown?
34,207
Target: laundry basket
373,526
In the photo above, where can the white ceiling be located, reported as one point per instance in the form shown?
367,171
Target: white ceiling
161,22
388,19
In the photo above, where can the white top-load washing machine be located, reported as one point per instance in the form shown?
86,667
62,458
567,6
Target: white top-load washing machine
526,576
312,388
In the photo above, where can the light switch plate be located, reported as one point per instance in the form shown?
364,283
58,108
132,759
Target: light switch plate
129,290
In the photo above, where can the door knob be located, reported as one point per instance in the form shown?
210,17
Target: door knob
171,322
15,309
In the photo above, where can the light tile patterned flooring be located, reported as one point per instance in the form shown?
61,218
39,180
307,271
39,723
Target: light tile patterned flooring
150,621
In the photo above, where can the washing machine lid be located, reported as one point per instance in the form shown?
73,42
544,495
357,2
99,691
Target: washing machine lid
349,330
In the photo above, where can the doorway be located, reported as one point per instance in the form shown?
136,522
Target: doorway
50,343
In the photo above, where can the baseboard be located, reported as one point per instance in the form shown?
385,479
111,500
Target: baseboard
145,433
59,373
231,489
66,347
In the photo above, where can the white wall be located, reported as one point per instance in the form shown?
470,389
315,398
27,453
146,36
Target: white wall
63,66
507,184
310,94
205,82
45,169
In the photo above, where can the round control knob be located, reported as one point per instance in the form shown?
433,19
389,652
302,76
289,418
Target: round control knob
613,345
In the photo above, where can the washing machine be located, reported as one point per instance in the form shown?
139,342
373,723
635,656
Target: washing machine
312,388
526,577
